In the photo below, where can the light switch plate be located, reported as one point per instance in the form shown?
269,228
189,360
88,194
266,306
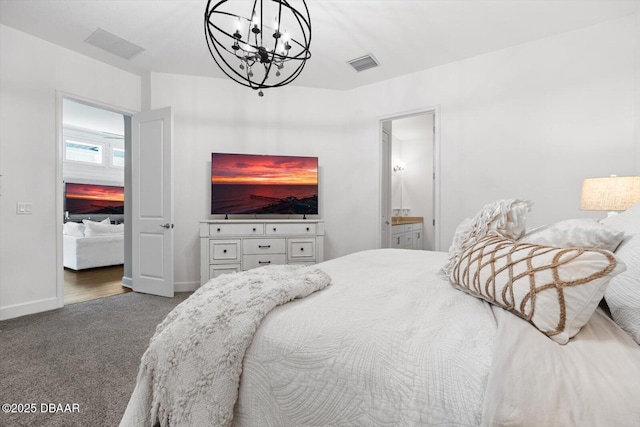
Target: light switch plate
24,208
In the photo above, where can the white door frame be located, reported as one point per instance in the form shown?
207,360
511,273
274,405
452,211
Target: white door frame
60,96
385,196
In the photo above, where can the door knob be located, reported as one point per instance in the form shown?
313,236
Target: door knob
167,225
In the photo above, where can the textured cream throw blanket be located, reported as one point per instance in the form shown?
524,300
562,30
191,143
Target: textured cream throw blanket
190,373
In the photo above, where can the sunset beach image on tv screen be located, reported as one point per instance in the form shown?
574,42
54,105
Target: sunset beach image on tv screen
259,184
83,199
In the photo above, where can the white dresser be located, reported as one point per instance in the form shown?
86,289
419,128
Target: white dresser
236,245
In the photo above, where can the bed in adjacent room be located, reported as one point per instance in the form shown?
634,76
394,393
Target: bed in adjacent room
381,337
91,244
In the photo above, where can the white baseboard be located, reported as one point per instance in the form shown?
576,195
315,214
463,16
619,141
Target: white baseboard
127,282
177,286
31,307
185,286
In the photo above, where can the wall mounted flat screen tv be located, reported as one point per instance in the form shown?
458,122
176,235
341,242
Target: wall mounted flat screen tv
263,184
91,199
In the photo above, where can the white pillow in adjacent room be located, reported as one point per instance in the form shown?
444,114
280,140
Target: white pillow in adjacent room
576,233
73,229
117,228
102,228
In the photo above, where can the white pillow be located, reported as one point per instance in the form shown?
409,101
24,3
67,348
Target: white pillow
507,217
101,229
107,220
117,228
623,293
555,289
576,233
73,229
627,221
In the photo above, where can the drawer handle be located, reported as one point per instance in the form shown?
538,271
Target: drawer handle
224,251
264,262
307,228
264,246
218,230
274,229
254,229
301,249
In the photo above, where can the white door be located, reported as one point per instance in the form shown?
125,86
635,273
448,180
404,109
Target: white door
151,206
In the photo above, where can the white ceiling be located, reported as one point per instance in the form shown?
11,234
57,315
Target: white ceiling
404,35
76,114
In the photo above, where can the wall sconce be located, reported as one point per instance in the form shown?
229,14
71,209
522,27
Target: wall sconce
611,193
399,166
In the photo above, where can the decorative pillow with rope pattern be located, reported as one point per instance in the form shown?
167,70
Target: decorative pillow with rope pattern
555,289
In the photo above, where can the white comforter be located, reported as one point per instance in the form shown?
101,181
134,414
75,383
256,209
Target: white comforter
391,344
387,344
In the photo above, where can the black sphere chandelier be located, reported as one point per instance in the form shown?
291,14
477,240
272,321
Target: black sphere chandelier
265,49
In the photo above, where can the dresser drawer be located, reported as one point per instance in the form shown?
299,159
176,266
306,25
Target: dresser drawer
301,250
236,229
253,261
216,270
224,251
263,246
295,229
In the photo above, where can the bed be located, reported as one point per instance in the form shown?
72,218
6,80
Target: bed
388,342
92,244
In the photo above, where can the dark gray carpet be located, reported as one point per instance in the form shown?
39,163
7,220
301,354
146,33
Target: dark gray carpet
86,354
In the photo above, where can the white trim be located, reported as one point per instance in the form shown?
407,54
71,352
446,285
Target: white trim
60,96
127,282
437,209
31,307
59,200
185,286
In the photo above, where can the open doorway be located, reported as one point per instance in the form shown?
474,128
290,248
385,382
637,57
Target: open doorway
94,169
410,184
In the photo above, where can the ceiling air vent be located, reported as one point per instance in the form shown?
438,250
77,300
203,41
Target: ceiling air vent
363,63
113,44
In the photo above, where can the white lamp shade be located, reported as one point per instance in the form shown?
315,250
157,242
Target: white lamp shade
611,193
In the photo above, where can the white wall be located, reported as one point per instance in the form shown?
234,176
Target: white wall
531,121
31,71
219,115
637,94
397,177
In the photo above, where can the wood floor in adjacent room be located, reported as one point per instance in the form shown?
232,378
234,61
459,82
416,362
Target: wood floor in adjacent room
93,283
